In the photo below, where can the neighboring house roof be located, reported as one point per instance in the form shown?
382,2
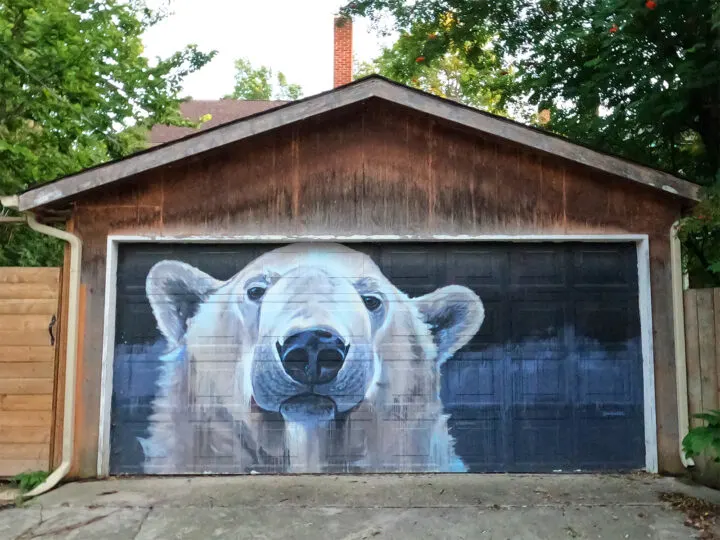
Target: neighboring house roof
369,87
221,111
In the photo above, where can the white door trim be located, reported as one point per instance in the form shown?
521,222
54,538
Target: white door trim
644,293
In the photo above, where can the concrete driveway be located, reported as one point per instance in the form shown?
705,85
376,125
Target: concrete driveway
358,507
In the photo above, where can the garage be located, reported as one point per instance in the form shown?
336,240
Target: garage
373,279
552,380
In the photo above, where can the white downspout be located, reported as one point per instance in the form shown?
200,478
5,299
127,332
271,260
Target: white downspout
68,439
678,308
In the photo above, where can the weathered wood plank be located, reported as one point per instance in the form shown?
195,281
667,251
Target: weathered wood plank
706,337
24,418
10,274
26,386
21,353
25,337
14,306
39,291
25,402
693,356
26,370
11,467
38,451
24,322
25,434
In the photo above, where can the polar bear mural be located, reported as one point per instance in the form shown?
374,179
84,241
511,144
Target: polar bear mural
307,360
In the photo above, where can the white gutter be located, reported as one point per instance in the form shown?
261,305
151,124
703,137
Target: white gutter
68,439
678,308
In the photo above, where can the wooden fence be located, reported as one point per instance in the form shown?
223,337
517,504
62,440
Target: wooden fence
28,306
702,347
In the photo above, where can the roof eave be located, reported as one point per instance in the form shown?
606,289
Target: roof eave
373,87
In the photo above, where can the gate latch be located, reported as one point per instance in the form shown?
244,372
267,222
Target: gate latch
50,329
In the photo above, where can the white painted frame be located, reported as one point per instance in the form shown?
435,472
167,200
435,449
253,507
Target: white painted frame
644,294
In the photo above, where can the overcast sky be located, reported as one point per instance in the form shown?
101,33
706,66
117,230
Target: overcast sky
292,36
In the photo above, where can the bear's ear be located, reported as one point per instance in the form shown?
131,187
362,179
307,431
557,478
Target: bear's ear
454,314
175,290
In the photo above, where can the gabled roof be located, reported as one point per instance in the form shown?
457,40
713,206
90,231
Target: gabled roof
221,111
369,87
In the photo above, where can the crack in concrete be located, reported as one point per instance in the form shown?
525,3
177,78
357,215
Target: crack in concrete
29,535
142,522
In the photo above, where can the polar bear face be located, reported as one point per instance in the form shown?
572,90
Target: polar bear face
313,329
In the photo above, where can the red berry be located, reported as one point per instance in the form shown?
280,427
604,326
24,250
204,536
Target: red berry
651,4
420,59
432,36
614,28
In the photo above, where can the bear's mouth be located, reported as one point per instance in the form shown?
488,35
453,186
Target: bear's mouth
308,408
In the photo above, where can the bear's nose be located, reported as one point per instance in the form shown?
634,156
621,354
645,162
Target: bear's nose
313,356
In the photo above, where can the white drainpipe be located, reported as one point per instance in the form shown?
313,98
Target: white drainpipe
678,307
68,440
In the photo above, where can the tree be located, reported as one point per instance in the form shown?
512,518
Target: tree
447,73
76,90
256,83
640,78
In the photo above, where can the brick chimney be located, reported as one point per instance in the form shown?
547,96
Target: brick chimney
342,67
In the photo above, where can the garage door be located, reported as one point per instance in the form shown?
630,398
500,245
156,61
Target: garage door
377,357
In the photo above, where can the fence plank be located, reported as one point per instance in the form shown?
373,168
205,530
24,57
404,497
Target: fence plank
693,356
21,353
23,418
11,467
24,274
39,291
706,340
26,370
25,403
36,451
15,306
24,322
21,337
26,386
25,434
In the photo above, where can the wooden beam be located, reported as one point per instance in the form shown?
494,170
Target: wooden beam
372,87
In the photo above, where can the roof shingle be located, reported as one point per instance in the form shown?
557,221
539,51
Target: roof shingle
221,111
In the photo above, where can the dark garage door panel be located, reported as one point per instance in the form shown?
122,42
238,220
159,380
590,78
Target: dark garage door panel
552,381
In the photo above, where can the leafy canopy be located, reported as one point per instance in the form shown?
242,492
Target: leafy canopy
75,91
632,77
446,72
637,78
257,83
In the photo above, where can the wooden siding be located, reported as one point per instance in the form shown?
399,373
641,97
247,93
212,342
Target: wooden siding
702,348
374,169
28,301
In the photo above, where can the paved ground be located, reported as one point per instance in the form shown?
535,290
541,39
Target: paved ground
357,507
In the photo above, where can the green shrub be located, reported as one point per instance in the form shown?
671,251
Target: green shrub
704,439
28,481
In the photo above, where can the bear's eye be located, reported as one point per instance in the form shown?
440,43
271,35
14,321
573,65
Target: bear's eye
371,302
256,293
